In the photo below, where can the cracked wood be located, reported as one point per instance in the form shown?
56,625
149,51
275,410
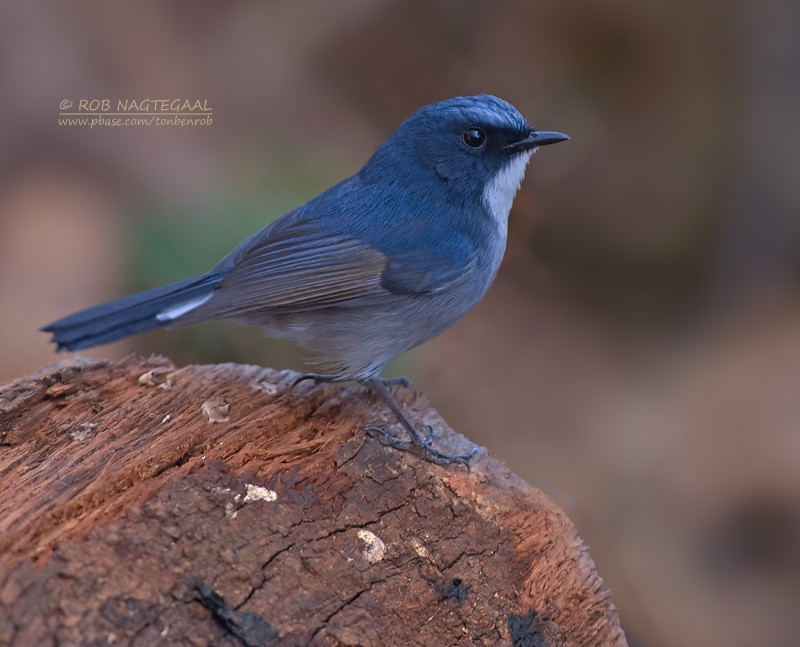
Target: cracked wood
128,515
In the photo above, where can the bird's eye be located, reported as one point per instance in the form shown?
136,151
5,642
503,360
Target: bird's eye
474,137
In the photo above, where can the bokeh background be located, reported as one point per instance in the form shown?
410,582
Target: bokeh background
638,357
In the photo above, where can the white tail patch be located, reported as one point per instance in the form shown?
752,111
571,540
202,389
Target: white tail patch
170,314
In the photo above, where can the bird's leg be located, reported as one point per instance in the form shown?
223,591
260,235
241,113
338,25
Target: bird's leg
423,445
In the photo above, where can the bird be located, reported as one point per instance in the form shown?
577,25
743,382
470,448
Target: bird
372,267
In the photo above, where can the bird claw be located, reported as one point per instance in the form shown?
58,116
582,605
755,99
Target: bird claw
316,377
397,381
389,382
425,448
394,384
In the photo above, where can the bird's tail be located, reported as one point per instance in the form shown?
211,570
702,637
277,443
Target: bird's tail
134,314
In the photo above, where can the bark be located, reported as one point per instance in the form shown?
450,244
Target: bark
143,504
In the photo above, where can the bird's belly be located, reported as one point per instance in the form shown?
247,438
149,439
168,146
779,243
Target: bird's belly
358,342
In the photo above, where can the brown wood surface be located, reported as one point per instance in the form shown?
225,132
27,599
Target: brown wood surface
142,504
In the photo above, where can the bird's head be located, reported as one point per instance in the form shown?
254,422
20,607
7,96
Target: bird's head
479,144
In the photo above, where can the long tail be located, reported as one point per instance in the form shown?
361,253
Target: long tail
134,314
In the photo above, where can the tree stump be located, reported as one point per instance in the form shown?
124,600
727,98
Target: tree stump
143,504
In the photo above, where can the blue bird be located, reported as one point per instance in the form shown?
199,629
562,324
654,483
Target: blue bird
370,268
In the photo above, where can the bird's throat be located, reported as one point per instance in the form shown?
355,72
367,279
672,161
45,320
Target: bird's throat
498,195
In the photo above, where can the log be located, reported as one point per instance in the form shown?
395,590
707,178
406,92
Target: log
144,504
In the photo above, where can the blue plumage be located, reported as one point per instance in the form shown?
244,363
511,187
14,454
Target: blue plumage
129,315
372,267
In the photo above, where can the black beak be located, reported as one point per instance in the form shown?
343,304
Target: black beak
535,139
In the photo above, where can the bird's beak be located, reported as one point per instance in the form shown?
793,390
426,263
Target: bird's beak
535,139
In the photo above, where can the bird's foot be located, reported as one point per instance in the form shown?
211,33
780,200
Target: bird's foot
392,383
424,447
316,377
397,382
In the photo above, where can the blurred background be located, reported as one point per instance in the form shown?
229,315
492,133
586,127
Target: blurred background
638,357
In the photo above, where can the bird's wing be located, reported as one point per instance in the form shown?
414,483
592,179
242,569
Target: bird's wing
297,265
426,270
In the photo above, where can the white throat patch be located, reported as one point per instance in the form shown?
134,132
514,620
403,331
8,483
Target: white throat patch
498,195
